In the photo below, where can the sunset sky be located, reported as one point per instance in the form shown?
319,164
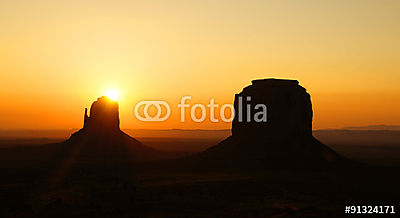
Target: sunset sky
57,57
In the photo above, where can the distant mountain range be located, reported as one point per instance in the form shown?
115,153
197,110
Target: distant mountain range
375,127
168,133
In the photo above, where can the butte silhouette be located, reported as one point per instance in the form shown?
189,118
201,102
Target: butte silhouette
284,140
101,136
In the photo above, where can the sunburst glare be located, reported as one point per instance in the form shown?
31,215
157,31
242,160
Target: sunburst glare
112,94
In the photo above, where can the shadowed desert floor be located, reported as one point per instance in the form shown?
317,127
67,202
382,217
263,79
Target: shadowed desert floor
42,181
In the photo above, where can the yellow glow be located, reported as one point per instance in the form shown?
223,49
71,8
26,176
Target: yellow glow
113,94
345,53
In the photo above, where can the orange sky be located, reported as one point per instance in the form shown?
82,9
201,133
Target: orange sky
57,57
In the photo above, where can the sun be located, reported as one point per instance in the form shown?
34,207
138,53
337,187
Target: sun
112,94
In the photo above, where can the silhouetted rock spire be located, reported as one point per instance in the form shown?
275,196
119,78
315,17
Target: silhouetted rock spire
101,135
104,115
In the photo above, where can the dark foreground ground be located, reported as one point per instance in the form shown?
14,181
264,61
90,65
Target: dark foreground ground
38,181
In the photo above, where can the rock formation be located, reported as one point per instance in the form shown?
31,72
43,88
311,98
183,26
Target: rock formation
101,136
289,110
283,138
104,116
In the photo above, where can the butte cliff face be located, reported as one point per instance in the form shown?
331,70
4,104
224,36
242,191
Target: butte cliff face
101,136
104,116
283,138
289,111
